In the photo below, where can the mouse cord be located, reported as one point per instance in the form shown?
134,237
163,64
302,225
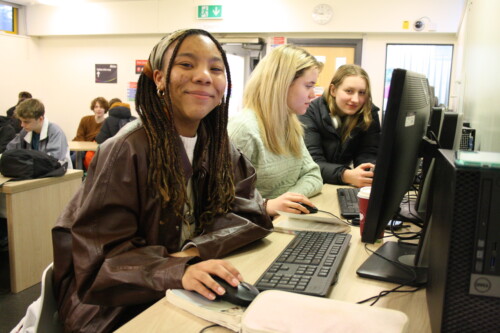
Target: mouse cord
206,328
331,214
387,292
396,289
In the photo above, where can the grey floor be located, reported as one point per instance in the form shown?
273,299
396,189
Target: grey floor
13,306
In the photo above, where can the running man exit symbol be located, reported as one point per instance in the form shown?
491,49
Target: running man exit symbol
210,12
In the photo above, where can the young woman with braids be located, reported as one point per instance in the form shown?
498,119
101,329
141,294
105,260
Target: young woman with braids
342,128
163,199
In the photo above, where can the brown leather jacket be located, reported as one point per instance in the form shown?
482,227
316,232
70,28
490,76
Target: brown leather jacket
112,241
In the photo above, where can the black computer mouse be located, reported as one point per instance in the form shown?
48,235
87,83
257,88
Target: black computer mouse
311,210
242,295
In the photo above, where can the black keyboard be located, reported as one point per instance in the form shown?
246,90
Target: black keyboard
348,202
308,265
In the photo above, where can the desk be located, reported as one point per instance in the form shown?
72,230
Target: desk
33,207
252,260
80,147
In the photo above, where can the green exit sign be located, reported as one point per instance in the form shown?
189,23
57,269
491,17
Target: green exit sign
210,12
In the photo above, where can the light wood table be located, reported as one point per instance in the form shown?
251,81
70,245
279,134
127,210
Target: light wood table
80,147
33,207
252,260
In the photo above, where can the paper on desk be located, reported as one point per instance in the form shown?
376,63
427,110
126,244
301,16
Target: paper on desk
219,312
4,179
309,222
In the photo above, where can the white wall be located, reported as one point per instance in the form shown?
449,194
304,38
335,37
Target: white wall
156,16
58,67
479,71
19,56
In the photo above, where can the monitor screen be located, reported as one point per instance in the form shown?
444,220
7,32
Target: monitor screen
404,127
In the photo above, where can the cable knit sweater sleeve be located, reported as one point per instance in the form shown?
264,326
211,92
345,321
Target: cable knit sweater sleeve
310,181
276,174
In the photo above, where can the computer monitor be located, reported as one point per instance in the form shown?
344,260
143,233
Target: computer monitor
404,127
433,131
451,130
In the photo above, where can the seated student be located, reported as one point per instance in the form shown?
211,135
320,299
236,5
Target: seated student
38,133
89,127
119,115
162,199
7,133
268,132
16,123
343,127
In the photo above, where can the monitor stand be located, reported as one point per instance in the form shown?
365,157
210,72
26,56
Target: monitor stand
379,266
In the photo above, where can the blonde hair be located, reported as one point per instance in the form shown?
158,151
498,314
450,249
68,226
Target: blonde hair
266,94
366,111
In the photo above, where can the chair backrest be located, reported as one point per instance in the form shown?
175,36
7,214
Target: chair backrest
48,320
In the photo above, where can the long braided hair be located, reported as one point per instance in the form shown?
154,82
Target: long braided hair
165,173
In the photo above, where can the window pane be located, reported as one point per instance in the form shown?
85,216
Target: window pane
7,18
434,61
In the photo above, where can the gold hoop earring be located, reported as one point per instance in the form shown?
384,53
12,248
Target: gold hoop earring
160,93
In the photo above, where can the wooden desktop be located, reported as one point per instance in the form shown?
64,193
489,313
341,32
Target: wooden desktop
32,207
80,147
252,260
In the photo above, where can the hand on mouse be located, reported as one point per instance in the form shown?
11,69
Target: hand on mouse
288,202
359,177
197,277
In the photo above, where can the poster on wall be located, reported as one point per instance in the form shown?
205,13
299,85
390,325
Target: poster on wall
106,73
131,91
139,66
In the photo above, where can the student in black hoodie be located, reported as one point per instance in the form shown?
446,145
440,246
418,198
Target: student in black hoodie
7,132
342,128
118,115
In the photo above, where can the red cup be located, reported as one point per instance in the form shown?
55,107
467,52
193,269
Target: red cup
363,200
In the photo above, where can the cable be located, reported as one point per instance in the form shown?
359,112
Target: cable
331,214
395,289
206,328
387,292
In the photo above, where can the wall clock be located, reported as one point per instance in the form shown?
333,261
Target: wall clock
322,13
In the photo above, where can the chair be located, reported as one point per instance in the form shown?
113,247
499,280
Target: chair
48,320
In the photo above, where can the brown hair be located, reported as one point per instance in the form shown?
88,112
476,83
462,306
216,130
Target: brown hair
30,108
113,101
165,174
102,102
365,112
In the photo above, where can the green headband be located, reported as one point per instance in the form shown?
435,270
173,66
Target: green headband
155,60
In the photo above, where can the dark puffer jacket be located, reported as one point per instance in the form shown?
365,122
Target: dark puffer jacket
323,141
119,115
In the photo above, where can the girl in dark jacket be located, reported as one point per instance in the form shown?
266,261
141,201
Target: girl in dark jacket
342,128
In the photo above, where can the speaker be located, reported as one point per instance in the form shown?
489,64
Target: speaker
463,291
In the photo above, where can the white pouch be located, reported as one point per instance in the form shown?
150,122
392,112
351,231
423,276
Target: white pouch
274,311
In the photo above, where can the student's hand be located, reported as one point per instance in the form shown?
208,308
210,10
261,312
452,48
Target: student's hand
197,277
359,176
288,202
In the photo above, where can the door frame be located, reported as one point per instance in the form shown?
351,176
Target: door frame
332,42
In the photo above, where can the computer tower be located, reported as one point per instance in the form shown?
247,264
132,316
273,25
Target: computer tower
463,290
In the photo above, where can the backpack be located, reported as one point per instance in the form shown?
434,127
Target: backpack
28,164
